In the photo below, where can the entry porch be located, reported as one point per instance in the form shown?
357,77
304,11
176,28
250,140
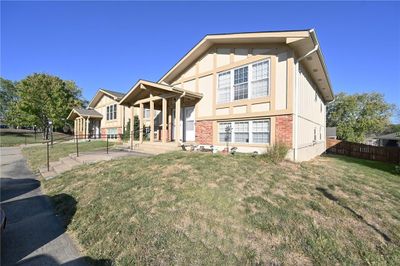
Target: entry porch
86,123
165,112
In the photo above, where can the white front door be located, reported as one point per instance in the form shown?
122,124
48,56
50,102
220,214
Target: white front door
188,124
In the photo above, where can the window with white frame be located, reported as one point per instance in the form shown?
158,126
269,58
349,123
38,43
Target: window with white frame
112,133
260,131
146,113
224,87
260,79
224,131
112,112
240,83
257,131
241,130
250,81
315,134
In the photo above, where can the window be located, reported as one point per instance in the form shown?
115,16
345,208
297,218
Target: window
260,79
224,87
315,96
241,130
115,111
146,113
240,83
234,84
112,133
260,131
112,112
257,131
320,107
315,134
320,133
225,134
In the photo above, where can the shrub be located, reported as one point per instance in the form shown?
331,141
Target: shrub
276,153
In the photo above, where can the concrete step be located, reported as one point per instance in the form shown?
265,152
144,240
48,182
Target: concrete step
48,174
59,169
70,161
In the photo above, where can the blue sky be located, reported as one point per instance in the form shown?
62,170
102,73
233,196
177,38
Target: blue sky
113,44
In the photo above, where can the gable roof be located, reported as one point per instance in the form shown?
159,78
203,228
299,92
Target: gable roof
301,41
134,93
116,96
75,112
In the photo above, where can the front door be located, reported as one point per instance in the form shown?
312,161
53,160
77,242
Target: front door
188,124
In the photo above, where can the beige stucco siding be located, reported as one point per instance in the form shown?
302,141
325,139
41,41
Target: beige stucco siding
311,119
206,88
281,82
202,76
122,113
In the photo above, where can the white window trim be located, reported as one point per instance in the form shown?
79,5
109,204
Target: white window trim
110,110
250,132
249,81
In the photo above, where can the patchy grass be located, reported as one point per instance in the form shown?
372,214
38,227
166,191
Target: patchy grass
194,208
9,138
36,155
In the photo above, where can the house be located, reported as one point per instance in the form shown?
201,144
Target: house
388,140
331,133
248,90
103,117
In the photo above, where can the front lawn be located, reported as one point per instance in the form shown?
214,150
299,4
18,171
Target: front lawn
37,155
194,208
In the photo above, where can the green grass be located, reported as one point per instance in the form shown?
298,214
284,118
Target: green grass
194,208
37,155
9,138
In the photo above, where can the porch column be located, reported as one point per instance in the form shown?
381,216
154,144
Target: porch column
87,128
141,122
164,121
151,119
79,127
178,120
170,122
75,129
132,136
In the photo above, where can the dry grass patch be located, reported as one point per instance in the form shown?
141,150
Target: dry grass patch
193,208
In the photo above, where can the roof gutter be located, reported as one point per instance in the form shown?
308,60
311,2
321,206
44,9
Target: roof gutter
296,94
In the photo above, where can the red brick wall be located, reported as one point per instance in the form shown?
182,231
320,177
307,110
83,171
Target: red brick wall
204,132
284,129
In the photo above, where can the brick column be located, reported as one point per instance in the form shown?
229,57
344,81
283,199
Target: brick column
284,129
204,132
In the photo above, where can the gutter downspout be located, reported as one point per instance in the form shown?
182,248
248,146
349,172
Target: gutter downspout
296,94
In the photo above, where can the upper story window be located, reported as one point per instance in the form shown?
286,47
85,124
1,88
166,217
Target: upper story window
240,83
112,112
260,80
245,82
224,87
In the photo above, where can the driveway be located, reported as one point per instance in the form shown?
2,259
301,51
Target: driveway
34,235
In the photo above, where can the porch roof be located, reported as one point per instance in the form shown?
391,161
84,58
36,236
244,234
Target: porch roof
85,113
141,90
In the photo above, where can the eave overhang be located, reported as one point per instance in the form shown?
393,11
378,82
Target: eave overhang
301,41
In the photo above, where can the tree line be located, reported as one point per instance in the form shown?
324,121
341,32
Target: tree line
39,100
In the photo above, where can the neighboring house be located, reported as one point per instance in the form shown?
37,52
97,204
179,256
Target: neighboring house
251,90
388,140
104,116
331,133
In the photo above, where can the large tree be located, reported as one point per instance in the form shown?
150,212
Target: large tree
43,98
8,96
357,115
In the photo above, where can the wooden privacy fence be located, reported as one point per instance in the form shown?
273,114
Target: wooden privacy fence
363,151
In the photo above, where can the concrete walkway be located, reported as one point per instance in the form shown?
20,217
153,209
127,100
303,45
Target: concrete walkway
34,235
